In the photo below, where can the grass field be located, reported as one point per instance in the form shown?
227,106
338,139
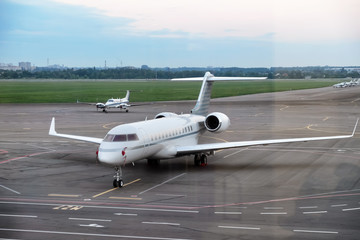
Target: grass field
68,91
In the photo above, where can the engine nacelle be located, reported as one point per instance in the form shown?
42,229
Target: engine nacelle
216,122
165,115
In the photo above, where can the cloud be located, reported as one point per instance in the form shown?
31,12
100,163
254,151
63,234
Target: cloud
296,21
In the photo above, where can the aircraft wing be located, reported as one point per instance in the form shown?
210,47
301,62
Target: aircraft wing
52,132
202,148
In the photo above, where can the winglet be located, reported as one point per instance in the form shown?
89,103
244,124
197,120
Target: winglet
52,127
355,127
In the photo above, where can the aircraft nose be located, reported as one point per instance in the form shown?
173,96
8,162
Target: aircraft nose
109,157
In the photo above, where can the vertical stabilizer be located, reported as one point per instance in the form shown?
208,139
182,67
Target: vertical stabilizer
203,102
127,95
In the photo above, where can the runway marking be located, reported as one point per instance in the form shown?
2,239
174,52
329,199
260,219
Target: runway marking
162,208
273,213
316,212
62,195
113,123
20,216
309,207
11,190
2,151
237,227
162,223
339,205
282,109
229,213
162,183
125,214
110,190
68,207
89,219
234,153
350,209
311,231
25,156
88,234
170,195
91,225
126,198
113,189
273,208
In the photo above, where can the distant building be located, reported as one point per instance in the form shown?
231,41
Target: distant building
9,66
25,66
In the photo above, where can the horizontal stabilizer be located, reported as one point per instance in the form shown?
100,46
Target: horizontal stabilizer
53,132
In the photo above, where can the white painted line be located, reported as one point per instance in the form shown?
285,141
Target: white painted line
91,225
351,209
234,153
273,213
171,195
162,183
311,231
11,190
309,207
237,227
273,208
88,219
88,234
317,212
183,210
125,214
162,223
230,213
20,216
339,205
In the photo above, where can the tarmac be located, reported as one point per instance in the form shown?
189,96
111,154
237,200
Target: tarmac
53,188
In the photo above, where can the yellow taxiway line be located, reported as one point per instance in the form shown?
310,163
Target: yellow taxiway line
110,190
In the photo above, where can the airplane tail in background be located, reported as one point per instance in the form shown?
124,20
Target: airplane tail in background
127,95
202,104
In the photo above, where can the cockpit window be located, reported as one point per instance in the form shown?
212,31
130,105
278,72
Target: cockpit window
110,100
121,137
132,137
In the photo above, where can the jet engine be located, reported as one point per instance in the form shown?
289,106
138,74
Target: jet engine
165,115
216,122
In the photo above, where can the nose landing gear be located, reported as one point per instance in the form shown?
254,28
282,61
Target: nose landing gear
118,182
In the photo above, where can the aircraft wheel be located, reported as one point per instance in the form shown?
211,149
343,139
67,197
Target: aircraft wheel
118,184
127,110
203,160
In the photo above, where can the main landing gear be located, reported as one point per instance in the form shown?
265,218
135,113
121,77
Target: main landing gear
118,182
200,160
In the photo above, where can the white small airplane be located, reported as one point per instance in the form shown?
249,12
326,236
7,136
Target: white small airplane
170,135
122,103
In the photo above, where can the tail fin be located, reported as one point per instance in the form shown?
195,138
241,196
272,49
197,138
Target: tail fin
127,95
203,102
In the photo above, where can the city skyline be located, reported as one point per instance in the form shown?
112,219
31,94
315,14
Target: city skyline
174,34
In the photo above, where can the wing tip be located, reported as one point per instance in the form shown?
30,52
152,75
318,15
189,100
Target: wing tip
353,133
52,127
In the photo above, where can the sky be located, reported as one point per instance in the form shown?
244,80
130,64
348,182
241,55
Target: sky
173,33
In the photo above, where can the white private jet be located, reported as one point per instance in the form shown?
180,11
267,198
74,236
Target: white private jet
170,135
122,103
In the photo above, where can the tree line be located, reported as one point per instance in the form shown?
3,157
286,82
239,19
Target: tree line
168,73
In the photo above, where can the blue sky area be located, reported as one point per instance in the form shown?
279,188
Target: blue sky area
169,33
